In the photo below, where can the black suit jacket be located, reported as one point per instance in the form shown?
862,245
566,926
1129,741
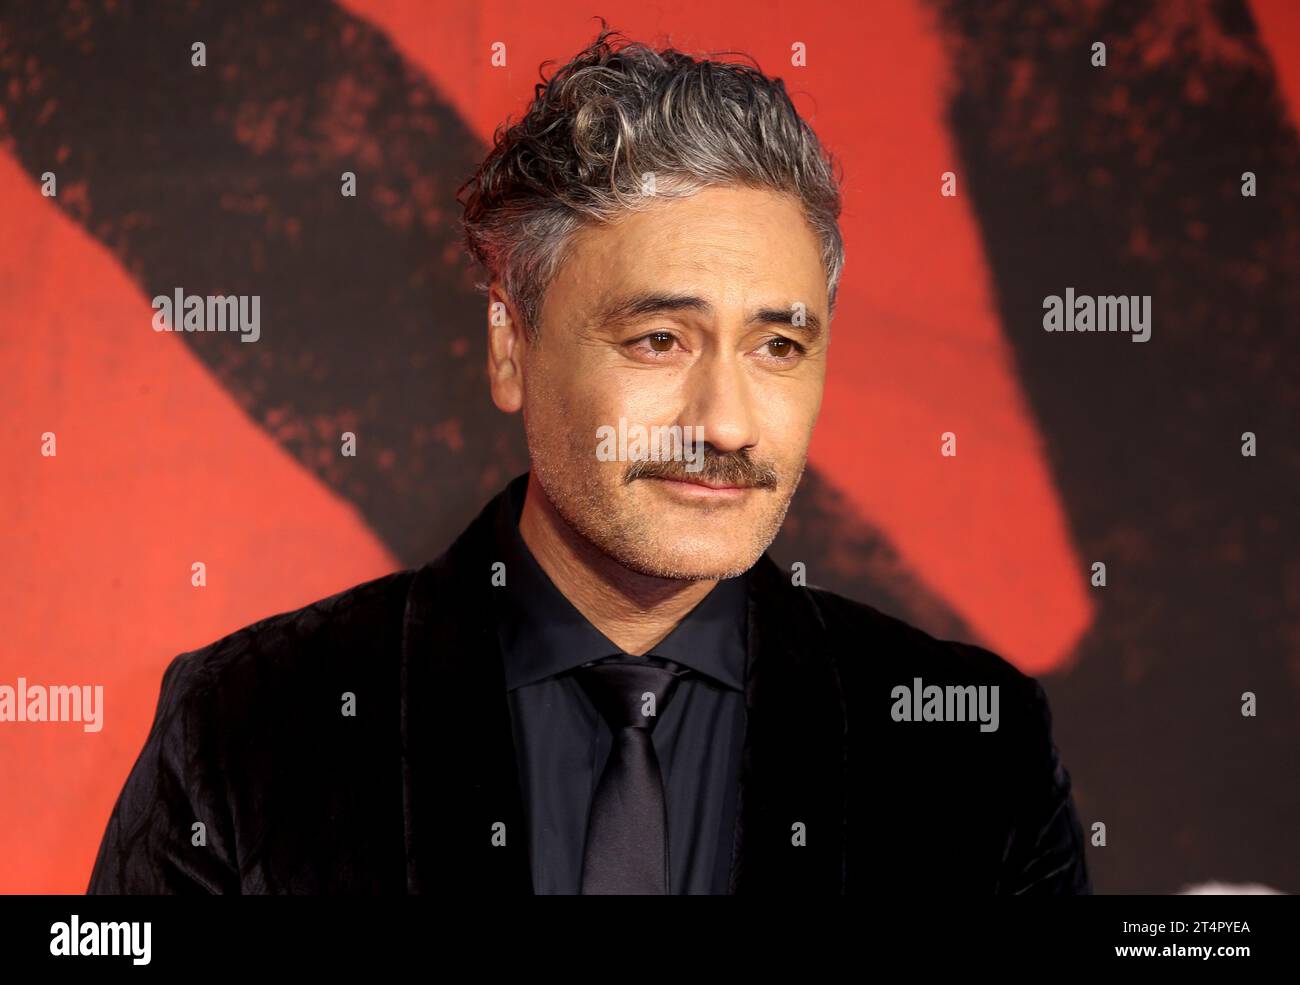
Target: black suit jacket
254,780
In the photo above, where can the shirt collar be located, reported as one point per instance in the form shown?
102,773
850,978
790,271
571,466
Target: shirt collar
542,634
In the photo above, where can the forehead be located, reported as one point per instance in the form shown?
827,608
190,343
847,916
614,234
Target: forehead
730,244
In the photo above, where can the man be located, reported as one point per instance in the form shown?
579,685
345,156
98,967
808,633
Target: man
605,685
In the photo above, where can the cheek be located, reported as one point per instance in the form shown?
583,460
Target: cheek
603,394
644,398
553,391
787,414
564,411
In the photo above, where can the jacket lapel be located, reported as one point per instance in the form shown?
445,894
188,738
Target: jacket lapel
791,824
463,807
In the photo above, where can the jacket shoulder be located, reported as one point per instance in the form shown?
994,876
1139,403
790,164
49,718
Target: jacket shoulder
863,633
364,619
1020,831
249,727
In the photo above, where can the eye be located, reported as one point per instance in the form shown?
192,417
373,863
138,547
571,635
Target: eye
655,344
782,349
661,341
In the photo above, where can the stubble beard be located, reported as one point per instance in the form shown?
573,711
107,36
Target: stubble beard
608,522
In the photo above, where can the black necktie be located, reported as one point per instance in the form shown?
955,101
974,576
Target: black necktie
627,831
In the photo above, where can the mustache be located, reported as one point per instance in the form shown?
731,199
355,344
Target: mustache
719,469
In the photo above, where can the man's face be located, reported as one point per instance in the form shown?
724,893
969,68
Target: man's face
686,314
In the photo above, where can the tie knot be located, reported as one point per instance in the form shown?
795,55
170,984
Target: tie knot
630,692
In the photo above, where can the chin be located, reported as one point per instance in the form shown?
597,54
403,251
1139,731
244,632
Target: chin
696,561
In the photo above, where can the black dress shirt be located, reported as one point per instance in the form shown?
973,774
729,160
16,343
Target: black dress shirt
562,742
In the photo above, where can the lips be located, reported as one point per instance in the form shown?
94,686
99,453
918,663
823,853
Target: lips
703,488
706,485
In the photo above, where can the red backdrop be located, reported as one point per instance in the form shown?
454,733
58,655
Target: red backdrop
168,454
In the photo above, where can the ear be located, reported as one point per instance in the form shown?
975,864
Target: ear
506,347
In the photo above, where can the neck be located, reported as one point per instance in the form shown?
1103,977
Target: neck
633,610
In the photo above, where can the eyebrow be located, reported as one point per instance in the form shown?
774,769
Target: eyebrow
649,303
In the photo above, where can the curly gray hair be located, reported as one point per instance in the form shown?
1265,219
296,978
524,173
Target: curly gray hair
619,112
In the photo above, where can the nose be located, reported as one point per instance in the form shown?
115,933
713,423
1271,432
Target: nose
720,400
